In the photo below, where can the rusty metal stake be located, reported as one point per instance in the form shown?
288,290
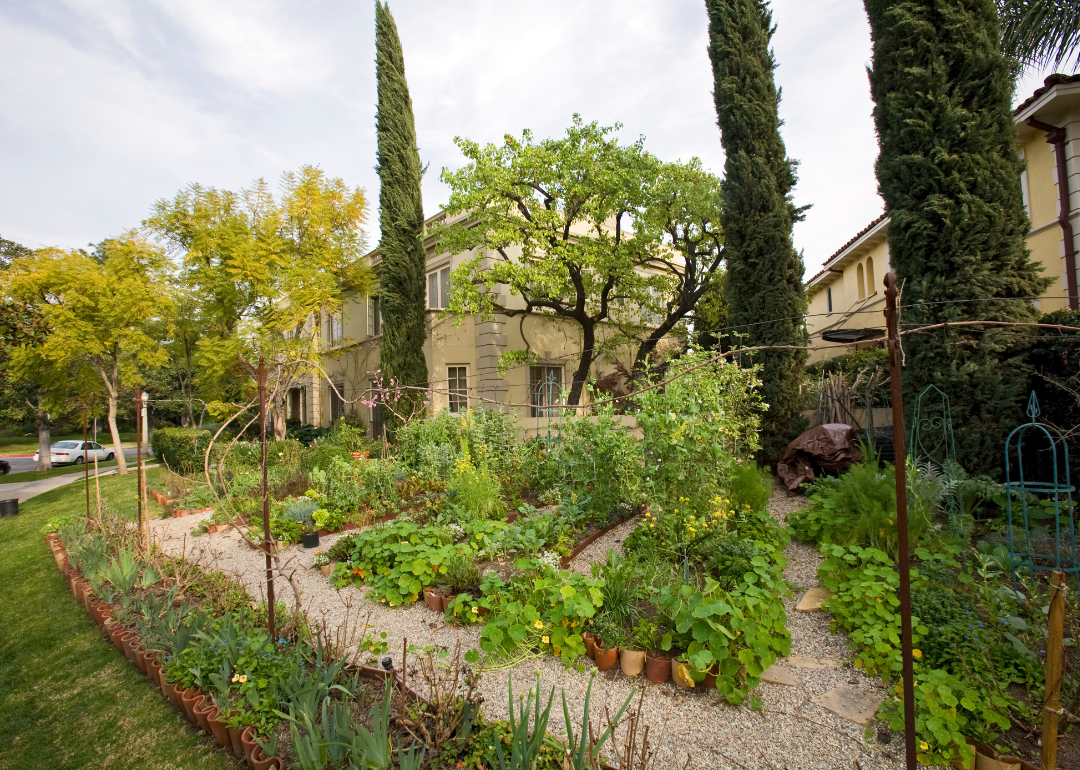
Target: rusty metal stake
138,460
86,465
1055,653
903,554
267,540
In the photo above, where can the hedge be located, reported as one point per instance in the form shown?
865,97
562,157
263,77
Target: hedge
181,448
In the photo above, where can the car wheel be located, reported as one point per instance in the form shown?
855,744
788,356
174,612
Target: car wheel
78,461
110,456
4,470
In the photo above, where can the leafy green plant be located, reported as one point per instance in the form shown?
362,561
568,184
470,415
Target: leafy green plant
462,573
584,752
602,462
621,589
526,739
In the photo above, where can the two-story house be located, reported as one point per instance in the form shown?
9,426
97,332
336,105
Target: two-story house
847,295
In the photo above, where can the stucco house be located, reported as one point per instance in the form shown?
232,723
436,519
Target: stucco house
847,296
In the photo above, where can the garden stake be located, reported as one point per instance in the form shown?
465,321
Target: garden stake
86,465
903,555
138,460
267,542
1054,654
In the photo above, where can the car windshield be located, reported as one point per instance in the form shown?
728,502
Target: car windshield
66,445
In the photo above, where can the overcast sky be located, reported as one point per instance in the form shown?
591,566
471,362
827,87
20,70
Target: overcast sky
109,105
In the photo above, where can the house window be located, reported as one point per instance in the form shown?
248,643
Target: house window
860,280
545,389
1024,185
336,327
337,402
377,422
828,300
871,287
438,285
458,387
374,316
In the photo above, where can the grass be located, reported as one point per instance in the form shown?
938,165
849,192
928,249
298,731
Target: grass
22,445
68,698
15,478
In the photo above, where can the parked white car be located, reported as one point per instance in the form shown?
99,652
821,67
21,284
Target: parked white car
77,452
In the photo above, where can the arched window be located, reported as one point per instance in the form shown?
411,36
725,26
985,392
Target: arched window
861,281
871,287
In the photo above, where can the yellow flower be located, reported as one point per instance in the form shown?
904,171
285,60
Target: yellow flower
236,677
538,624
243,679
479,535
544,639
924,745
917,653
475,611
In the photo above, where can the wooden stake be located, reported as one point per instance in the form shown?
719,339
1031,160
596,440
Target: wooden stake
1055,653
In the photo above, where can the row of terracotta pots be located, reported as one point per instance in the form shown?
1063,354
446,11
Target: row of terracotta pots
657,668
197,706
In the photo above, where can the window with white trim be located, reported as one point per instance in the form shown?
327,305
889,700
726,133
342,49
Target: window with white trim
438,283
374,316
545,389
458,388
336,327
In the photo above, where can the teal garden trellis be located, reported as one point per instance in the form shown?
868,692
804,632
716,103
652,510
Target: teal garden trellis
1035,500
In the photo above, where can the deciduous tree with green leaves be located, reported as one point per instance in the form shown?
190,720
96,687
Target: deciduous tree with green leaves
950,176
401,220
765,296
603,237
98,315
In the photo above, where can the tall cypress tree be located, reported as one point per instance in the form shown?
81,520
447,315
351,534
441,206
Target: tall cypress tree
950,176
401,218
764,272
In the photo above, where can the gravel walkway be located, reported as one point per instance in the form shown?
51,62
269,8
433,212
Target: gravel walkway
789,732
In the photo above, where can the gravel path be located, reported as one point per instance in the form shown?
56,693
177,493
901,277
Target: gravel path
788,732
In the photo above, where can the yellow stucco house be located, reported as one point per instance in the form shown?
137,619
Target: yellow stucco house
462,360
847,298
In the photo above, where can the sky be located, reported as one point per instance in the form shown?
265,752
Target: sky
110,105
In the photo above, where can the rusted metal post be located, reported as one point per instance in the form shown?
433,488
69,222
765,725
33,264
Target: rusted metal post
267,540
1055,653
86,464
892,323
138,459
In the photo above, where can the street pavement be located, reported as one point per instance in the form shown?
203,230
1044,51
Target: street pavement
24,490
20,464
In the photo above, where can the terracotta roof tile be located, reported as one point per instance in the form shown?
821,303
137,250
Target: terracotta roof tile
841,250
1053,80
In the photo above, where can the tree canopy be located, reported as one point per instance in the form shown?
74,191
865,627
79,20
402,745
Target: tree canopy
585,230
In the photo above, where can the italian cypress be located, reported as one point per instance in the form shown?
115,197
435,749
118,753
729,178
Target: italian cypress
764,294
401,220
950,176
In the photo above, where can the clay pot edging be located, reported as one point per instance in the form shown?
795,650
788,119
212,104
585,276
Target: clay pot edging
247,742
259,760
234,740
188,699
590,644
446,601
432,600
327,569
632,662
657,668
172,692
677,677
605,658
218,728
203,707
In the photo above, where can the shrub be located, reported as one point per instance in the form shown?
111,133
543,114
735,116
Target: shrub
181,449
602,461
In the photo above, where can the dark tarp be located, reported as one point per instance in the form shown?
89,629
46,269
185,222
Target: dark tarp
830,447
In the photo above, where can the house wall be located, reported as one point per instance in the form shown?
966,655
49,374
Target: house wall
850,309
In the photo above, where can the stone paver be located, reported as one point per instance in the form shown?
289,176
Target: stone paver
849,703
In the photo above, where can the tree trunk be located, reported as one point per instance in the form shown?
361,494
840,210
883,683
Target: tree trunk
277,418
581,375
44,440
121,463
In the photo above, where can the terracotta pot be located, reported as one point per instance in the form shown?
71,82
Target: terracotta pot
203,708
188,699
247,742
117,630
140,658
153,670
125,644
218,728
432,600
446,600
590,643
709,682
234,740
632,662
675,675
605,658
327,569
657,668
172,692
260,761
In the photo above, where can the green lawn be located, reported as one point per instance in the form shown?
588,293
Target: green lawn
21,445
14,478
68,698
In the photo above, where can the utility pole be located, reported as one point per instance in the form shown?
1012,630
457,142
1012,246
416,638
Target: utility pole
892,323
268,543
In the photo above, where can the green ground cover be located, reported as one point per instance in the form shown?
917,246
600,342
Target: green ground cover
68,698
